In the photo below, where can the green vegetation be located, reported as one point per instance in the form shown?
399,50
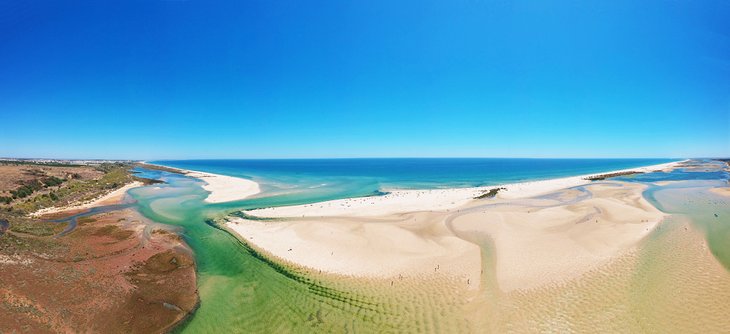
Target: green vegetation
29,198
37,228
85,220
490,193
12,244
610,175
73,190
162,168
27,188
113,231
147,181
20,223
52,181
32,163
241,214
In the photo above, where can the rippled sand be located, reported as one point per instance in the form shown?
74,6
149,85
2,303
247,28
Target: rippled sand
673,278
663,279
672,285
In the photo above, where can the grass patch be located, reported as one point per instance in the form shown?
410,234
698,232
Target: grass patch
241,214
85,220
490,193
37,228
113,231
602,177
12,244
160,168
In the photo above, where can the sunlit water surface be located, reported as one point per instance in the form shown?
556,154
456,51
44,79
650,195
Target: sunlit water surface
668,285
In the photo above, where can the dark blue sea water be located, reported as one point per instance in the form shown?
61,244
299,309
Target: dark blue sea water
310,180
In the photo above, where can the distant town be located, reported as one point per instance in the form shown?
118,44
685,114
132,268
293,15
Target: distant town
85,162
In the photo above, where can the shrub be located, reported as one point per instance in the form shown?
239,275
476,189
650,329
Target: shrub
52,181
23,191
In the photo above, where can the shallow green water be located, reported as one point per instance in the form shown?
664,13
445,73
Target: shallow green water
688,195
242,293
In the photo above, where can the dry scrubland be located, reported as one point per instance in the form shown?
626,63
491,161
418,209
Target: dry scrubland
115,272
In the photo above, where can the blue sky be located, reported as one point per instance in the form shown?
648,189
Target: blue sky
263,79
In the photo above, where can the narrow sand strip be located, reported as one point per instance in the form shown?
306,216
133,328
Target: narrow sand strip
435,199
225,188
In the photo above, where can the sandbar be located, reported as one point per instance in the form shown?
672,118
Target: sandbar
543,232
431,200
224,188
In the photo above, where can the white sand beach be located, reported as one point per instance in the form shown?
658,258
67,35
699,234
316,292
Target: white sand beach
413,245
541,241
225,188
573,226
431,200
222,188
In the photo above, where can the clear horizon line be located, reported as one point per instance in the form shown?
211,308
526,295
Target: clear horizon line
353,158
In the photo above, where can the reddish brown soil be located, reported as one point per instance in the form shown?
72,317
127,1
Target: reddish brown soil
115,273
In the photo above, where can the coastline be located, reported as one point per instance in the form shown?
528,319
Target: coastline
136,275
431,233
222,188
432,199
112,197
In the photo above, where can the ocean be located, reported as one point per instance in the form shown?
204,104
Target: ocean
310,180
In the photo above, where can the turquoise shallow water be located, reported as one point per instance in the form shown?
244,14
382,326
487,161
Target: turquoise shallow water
688,195
243,293
296,181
